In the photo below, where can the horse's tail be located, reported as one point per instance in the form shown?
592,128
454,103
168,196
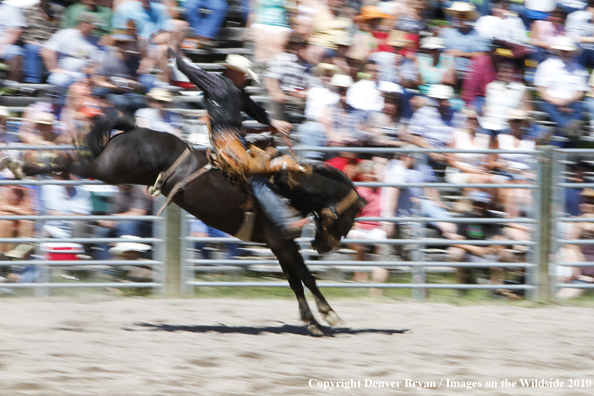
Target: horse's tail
100,134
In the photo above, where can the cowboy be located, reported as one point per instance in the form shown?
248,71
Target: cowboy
225,99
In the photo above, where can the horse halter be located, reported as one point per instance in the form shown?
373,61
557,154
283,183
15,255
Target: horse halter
329,215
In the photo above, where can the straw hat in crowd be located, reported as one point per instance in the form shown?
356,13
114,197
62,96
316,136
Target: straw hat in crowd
160,94
321,68
371,12
564,43
431,43
343,39
44,118
241,64
341,81
462,7
396,39
123,247
517,114
439,91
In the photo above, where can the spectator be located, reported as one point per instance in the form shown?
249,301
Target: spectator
481,72
403,201
341,56
365,94
470,167
393,66
101,16
12,24
128,201
329,23
481,203
544,33
537,10
570,6
435,67
502,25
411,21
288,79
462,41
340,119
43,133
200,230
156,116
518,168
366,40
581,28
269,26
153,24
206,25
502,96
43,21
69,53
118,74
67,200
311,132
20,201
562,83
386,127
367,230
579,253
432,125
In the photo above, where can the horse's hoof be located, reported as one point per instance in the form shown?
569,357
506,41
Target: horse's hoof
333,319
315,330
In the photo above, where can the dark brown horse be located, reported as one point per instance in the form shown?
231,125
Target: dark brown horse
138,156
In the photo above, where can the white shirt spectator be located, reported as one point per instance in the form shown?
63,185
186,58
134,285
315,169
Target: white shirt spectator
10,18
540,5
171,123
75,51
317,100
579,24
395,173
562,80
500,99
365,95
66,200
428,123
578,4
510,29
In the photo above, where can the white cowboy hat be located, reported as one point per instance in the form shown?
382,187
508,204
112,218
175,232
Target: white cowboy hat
517,114
4,113
564,43
241,64
432,43
21,251
341,80
343,39
461,6
44,118
21,3
439,91
122,247
160,94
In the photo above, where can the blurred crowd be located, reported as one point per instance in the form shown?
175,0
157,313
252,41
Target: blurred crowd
432,74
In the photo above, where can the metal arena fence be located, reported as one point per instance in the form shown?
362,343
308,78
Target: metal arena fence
174,269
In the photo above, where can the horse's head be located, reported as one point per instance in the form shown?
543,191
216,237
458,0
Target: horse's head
328,237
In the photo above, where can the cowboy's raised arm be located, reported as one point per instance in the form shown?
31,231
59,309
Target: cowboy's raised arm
206,82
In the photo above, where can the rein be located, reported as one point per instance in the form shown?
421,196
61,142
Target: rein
182,185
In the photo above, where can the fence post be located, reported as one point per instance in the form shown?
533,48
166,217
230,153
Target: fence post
173,257
544,225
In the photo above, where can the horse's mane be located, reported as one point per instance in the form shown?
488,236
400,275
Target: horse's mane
100,134
333,173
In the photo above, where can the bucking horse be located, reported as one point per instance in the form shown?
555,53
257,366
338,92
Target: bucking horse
169,165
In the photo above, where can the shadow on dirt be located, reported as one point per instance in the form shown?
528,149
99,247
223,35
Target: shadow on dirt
283,329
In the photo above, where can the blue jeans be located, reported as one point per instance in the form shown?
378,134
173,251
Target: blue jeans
270,203
213,232
206,24
563,119
33,64
312,133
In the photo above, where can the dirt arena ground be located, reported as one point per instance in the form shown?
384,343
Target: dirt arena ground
136,346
